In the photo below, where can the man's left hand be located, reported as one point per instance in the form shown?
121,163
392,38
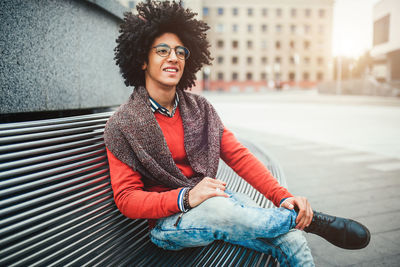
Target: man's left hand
305,214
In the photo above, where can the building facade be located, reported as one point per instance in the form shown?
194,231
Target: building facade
258,44
386,41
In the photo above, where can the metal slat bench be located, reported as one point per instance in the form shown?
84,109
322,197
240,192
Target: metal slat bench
57,208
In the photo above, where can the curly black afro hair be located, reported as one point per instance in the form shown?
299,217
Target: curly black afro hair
155,18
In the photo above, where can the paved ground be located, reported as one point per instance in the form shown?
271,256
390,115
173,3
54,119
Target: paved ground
351,171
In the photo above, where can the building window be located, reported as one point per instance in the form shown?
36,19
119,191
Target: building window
321,13
263,44
250,12
292,44
381,30
264,12
292,76
235,28
220,76
249,28
292,61
307,45
320,61
249,60
306,76
235,44
234,76
264,28
277,60
307,60
206,11
220,11
220,44
131,4
235,11
293,29
293,12
264,60
277,44
278,28
220,27
249,44
249,76
220,60
307,12
235,60
277,76
320,76
307,29
279,12
263,76
321,29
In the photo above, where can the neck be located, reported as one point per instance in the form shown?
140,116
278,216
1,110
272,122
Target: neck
164,97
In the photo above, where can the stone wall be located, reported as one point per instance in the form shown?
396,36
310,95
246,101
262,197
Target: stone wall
58,55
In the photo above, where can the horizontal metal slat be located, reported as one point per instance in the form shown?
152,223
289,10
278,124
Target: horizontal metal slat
50,141
48,157
26,246
32,225
57,173
14,125
45,135
51,148
13,204
48,128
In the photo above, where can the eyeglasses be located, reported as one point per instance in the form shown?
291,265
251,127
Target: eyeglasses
164,50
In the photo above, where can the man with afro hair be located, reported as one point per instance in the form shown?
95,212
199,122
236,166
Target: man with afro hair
165,143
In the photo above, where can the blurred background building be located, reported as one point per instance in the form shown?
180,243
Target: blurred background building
386,41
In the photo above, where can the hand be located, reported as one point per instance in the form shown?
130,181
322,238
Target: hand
305,214
205,189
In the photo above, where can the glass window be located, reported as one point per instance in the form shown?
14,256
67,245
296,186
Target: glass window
263,44
277,60
292,44
235,44
264,12
235,11
234,76
321,13
292,76
264,28
320,76
279,12
220,43
307,60
277,44
220,60
320,61
306,44
293,29
307,29
307,12
278,28
293,12
235,60
291,60
250,28
306,76
249,76
249,44
250,12
235,28
205,11
321,29
220,75
263,76
220,27
249,60
264,60
220,11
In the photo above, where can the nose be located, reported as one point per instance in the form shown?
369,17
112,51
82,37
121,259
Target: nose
172,56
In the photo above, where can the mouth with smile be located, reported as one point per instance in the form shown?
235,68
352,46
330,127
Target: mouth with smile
171,69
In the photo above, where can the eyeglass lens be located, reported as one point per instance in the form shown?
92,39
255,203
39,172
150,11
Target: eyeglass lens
165,50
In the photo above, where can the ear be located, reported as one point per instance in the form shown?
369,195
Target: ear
144,66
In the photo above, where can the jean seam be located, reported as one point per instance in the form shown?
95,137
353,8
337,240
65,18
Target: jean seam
278,248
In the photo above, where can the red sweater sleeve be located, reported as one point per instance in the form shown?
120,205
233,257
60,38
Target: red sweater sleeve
247,166
132,200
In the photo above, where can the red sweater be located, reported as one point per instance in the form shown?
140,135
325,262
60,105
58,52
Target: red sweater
135,200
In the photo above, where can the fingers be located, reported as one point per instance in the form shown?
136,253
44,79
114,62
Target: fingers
305,213
205,189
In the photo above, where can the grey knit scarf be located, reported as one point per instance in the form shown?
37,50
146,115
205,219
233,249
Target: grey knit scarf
133,135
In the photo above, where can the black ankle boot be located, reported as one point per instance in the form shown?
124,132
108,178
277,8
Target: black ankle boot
341,232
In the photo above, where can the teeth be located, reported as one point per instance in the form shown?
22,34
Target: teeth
174,70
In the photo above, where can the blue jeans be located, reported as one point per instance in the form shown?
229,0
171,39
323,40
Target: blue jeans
237,220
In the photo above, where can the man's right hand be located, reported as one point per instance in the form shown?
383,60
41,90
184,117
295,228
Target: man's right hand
205,189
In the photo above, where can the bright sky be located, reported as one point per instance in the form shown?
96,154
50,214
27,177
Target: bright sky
352,27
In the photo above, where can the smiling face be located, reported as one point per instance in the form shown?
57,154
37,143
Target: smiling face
164,72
